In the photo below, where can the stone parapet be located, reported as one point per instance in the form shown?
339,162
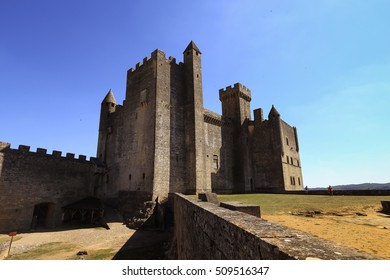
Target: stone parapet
205,231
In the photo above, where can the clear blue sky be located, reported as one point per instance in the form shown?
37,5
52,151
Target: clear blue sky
325,65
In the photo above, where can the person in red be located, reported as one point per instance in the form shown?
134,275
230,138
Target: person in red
330,190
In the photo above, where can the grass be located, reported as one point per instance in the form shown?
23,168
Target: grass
43,251
272,204
8,238
102,254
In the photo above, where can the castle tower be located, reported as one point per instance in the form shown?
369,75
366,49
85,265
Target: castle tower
194,126
275,120
236,108
108,107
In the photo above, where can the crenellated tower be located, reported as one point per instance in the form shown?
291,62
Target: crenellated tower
236,109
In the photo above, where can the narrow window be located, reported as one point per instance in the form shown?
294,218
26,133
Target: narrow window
288,160
143,176
129,177
287,141
292,161
298,162
299,181
144,96
215,162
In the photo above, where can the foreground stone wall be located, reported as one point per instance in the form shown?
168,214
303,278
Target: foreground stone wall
206,231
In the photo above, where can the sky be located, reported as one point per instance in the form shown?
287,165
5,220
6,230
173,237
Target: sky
325,66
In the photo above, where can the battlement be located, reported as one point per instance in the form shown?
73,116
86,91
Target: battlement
23,149
213,118
236,90
153,56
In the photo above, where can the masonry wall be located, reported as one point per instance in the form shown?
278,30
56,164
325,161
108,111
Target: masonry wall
292,171
31,178
219,156
266,158
206,231
178,168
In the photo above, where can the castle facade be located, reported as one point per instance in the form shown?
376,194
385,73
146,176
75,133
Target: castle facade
160,140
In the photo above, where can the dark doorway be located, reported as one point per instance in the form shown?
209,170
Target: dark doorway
40,215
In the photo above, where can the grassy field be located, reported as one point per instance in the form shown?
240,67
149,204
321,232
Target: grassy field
273,204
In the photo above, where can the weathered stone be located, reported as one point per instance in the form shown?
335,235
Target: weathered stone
250,209
214,232
386,206
209,197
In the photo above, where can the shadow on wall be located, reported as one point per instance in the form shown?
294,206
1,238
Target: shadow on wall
152,240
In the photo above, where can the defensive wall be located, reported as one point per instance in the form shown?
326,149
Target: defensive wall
40,184
368,192
206,231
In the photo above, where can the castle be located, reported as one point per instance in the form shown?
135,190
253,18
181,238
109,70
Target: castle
161,140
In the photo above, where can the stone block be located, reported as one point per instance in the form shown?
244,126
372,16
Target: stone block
57,153
209,197
41,151
386,206
82,157
250,209
24,148
69,155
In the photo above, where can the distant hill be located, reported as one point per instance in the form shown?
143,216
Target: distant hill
365,186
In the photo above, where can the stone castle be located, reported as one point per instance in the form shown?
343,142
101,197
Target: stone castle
161,140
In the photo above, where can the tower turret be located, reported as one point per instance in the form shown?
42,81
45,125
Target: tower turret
194,130
275,120
273,113
108,107
109,101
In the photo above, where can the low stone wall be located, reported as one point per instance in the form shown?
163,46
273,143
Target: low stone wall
386,206
339,192
245,208
205,231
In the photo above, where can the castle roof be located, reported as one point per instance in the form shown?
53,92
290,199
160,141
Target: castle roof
192,46
273,113
109,98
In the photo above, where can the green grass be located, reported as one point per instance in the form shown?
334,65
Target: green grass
8,238
102,254
43,250
271,204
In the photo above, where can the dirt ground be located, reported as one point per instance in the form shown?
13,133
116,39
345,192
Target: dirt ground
363,228
68,242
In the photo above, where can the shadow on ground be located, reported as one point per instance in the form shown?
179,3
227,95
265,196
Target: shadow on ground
145,245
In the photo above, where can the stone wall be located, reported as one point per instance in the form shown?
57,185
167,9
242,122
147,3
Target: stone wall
206,231
291,162
219,156
29,179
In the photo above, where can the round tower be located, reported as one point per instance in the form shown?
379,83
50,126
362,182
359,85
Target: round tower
107,108
194,133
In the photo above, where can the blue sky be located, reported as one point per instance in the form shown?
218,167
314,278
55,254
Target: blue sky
325,65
